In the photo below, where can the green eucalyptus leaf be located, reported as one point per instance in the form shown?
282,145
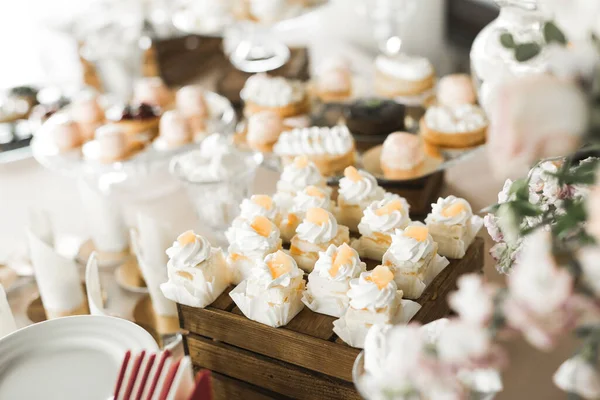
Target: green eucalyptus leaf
553,34
507,40
527,51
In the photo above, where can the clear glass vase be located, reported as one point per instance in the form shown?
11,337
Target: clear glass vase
492,63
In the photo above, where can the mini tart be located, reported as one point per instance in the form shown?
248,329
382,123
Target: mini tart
458,126
287,111
402,155
287,98
403,76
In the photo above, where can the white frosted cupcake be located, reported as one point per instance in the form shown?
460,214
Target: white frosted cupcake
295,177
374,299
329,282
287,98
403,75
272,294
198,272
357,190
309,197
380,219
453,226
249,242
461,125
318,230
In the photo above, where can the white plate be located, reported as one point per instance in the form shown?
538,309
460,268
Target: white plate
68,358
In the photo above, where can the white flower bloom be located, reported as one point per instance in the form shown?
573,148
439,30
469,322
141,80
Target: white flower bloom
504,194
473,301
461,343
578,376
589,259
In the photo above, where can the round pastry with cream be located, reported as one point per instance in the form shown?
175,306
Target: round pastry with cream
403,75
315,233
456,126
197,272
334,80
87,112
357,190
330,149
380,220
295,177
272,294
265,93
63,133
329,282
174,131
190,101
456,89
153,91
263,130
307,198
401,155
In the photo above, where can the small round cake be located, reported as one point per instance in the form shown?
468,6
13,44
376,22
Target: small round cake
264,129
403,75
86,111
174,130
190,101
456,89
153,91
64,133
334,80
458,126
370,120
112,143
401,155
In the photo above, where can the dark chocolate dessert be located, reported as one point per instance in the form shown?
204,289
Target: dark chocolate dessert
374,116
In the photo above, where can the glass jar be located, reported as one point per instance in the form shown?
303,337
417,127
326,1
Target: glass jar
493,63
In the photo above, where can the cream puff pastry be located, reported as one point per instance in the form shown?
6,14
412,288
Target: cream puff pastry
153,91
198,272
296,176
64,133
249,242
329,282
462,125
403,75
453,226
174,131
309,197
334,80
380,220
402,155
456,89
317,231
87,112
190,101
357,190
272,295
263,130
287,98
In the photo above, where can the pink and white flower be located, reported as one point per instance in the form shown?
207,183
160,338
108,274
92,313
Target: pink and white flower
473,301
577,375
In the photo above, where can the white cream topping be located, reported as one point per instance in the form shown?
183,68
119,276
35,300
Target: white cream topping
245,240
303,201
315,141
250,209
349,270
294,178
262,276
361,192
318,233
372,221
438,214
272,91
189,255
404,67
408,251
455,119
365,294
268,10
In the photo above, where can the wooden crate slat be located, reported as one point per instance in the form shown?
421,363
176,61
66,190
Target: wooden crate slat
273,375
282,344
313,324
227,388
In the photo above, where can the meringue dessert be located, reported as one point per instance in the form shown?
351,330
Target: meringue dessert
263,130
198,272
330,149
453,226
334,80
403,75
413,259
401,155
153,91
374,299
86,111
249,242
316,232
174,131
357,190
285,97
295,177
329,282
462,125
456,89
380,219
272,295
64,133
259,204
191,103
309,197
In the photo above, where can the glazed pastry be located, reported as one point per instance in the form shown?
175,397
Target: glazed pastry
153,91
249,242
263,130
198,272
191,103
318,230
174,131
403,75
380,220
453,226
135,120
86,111
64,133
401,155
330,149
462,125
264,93
334,80
329,282
374,299
412,257
375,117
357,190
272,294
259,204
295,177
456,89
307,198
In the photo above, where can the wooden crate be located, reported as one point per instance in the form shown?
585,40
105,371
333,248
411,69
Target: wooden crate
303,360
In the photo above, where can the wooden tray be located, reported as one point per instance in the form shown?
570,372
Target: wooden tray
303,360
